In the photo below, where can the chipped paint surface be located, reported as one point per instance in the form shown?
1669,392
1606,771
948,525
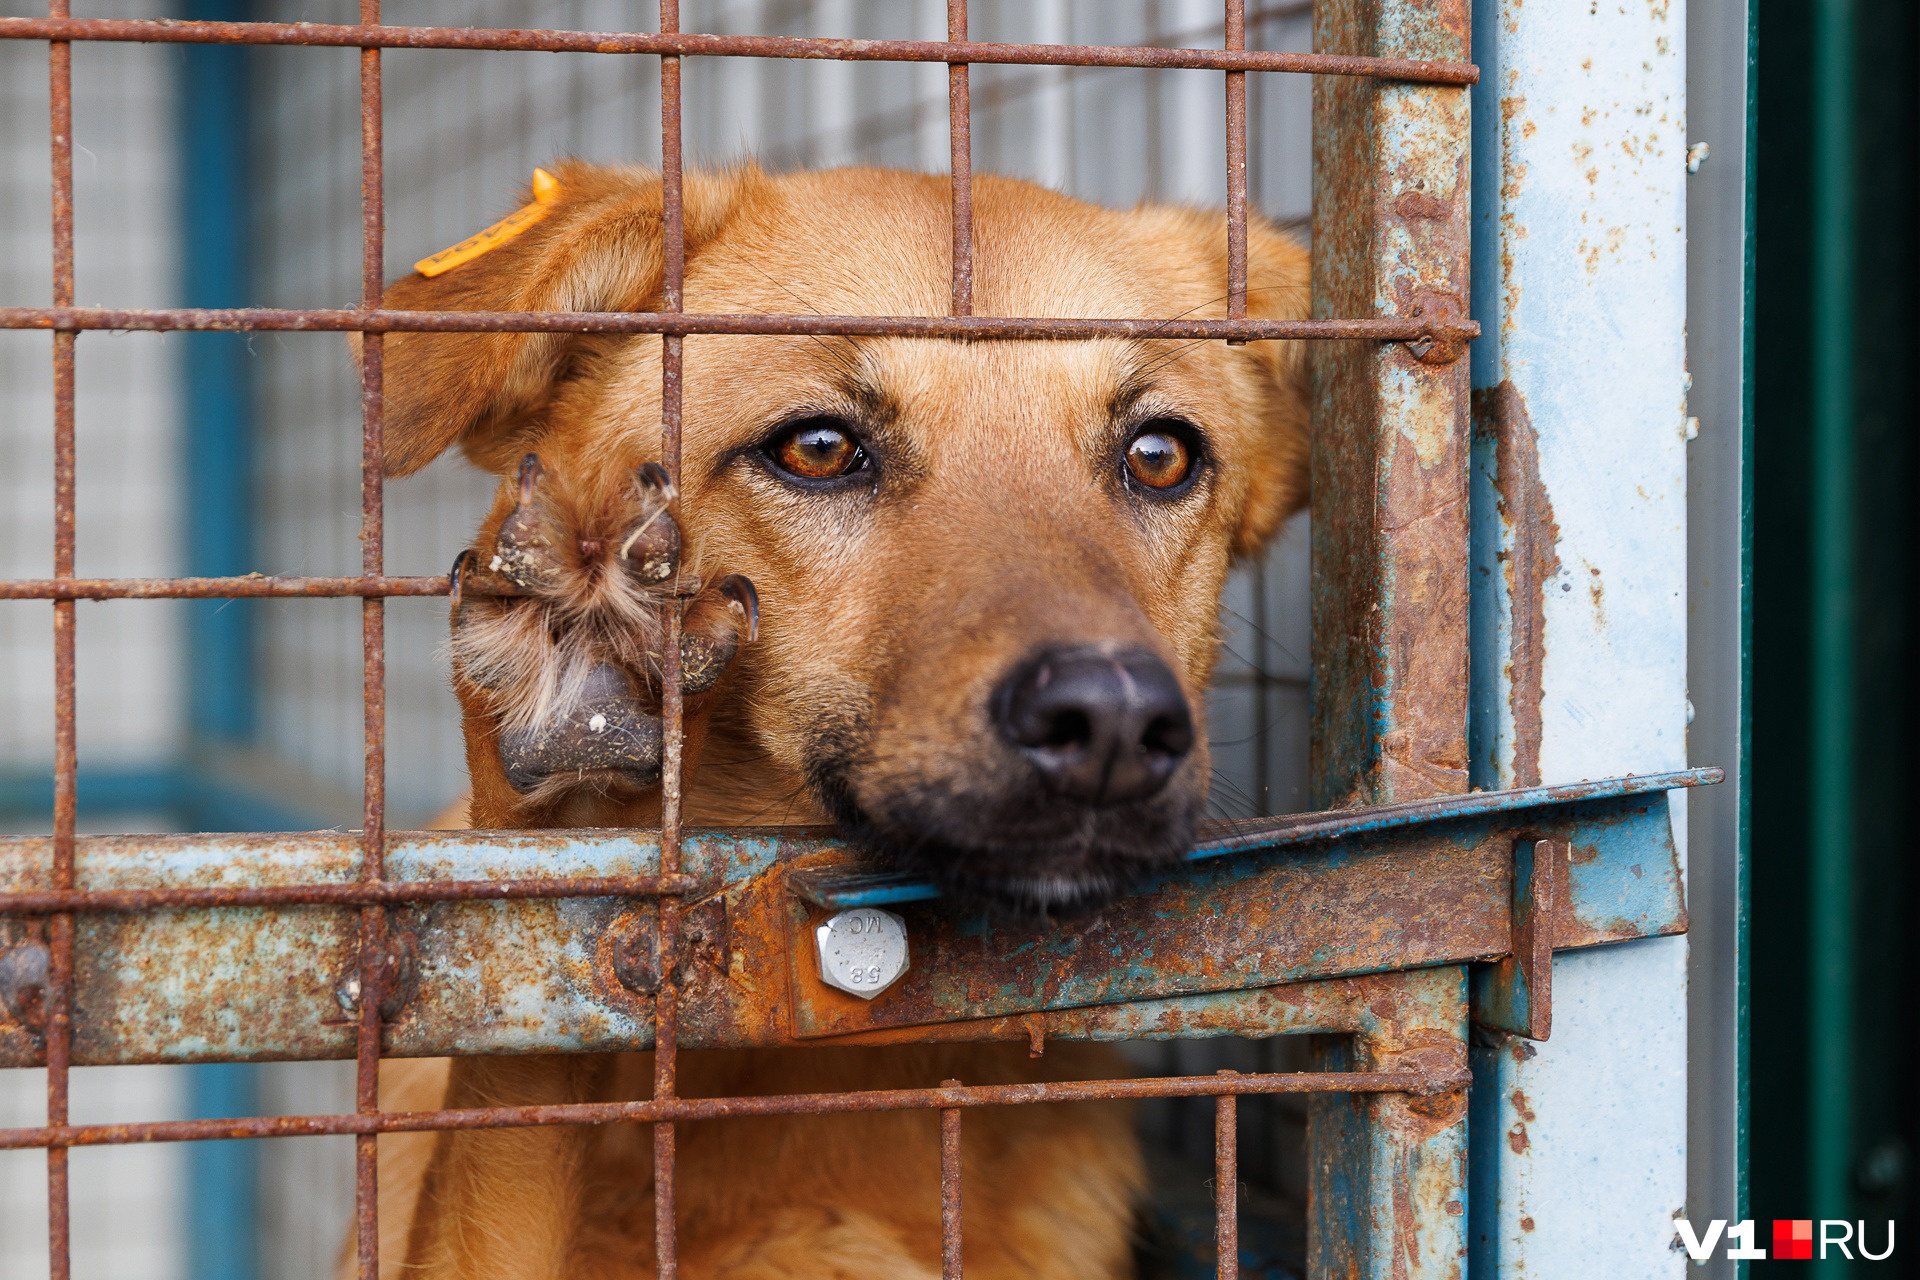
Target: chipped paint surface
1392,205
577,973
1390,1173
1391,229
1580,595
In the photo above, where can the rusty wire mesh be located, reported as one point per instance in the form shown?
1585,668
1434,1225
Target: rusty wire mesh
374,893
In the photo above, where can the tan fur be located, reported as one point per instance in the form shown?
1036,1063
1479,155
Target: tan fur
1001,526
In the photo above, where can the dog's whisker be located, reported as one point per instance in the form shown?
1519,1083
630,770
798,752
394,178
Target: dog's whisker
1285,648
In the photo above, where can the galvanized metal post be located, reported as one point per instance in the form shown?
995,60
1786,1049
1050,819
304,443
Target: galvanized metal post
1390,592
1720,113
1579,1143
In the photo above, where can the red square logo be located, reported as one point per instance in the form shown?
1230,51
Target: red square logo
1793,1238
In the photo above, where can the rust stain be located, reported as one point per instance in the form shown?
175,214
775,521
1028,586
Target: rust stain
1501,412
1520,1105
1419,204
1517,1139
1526,1224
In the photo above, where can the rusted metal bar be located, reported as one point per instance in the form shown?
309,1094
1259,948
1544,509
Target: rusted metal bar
1388,1200
373,969
476,582
833,889
960,150
1367,904
1235,32
1226,1184
950,1236
722,46
388,893
666,1008
1414,1081
532,975
1391,231
1437,329
252,585
58,1001
840,889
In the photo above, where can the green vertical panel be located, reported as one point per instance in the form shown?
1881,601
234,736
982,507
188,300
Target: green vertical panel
1834,1021
1830,611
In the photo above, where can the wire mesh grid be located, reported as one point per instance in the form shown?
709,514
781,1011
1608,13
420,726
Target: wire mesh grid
374,893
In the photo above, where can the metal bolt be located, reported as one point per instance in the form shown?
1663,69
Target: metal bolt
400,964
862,952
634,950
23,985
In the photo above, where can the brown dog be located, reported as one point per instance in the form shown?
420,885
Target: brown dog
990,575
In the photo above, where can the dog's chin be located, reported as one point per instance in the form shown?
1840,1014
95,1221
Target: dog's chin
1078,862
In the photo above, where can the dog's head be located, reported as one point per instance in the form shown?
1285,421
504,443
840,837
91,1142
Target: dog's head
989,570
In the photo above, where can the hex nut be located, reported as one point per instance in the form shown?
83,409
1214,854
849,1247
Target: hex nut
862,952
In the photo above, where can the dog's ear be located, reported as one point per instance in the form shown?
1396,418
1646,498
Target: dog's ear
1277,289
599,247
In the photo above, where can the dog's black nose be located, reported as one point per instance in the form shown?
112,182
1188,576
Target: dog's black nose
1104,728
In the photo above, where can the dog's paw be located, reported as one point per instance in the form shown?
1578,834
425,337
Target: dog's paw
569,671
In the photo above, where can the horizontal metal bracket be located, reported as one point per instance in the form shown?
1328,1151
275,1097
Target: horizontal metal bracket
838,888
213,947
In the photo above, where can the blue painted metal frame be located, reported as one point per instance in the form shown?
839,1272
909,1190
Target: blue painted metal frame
1581,594
28,794
841,890
213,105
208,983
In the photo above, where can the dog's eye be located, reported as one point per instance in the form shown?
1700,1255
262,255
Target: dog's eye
1160,456
817,449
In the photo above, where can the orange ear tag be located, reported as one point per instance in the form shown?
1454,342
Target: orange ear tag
546,191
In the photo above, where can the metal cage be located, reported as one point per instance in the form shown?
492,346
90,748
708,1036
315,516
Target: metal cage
1414,903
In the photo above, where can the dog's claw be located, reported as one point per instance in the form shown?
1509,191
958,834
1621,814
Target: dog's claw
523,554
738,588
607,730
653,476
651,548
572,678
718,622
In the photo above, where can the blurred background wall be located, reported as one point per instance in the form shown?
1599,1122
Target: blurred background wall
210,177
